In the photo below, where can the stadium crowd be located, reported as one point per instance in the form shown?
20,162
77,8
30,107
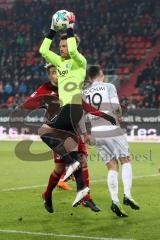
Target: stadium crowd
102,31
148,88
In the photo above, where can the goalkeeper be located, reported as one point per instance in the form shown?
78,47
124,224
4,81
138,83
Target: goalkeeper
71,69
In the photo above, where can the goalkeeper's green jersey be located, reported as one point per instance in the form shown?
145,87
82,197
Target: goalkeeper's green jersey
71,72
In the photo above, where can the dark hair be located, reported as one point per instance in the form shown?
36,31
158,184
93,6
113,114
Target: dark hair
64,37
93,71
49,67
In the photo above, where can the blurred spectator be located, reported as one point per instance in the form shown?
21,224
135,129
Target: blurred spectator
8,89
102,26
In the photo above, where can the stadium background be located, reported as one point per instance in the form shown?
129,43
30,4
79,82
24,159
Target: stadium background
122,36
123,40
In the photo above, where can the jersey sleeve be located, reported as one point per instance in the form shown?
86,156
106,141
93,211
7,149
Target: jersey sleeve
34,100
49,56
90,109
33,103
40,97
115,100
113,94
74,53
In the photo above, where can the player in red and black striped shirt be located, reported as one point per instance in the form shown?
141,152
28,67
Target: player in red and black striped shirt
46,96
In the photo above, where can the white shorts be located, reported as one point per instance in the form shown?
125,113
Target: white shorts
112,147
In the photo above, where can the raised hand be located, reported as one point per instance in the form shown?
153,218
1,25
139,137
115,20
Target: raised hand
71,20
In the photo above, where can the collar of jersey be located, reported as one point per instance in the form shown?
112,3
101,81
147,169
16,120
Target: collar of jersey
96,82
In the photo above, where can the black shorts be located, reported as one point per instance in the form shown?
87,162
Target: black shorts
68,118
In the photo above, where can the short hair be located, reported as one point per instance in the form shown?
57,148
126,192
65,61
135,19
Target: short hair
64,37
48,66
93,71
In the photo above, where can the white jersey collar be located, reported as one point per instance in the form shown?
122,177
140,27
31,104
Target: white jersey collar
97,82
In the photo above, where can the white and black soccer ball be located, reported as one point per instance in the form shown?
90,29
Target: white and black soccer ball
60,20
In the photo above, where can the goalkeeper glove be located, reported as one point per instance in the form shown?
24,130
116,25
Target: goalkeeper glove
71,20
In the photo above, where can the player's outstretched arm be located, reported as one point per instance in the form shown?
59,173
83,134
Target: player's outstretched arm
71,42
45,51
92,110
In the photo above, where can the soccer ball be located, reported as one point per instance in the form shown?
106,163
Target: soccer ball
60,20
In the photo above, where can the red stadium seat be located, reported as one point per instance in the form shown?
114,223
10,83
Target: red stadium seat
130,51
139,39
126,39
119,71
142,50
148,45
127,45
129,57
138,57
126,70
136,91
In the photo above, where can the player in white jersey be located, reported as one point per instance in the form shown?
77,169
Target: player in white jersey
111,141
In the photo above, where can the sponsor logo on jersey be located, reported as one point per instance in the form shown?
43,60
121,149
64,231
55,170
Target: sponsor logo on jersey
62,73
